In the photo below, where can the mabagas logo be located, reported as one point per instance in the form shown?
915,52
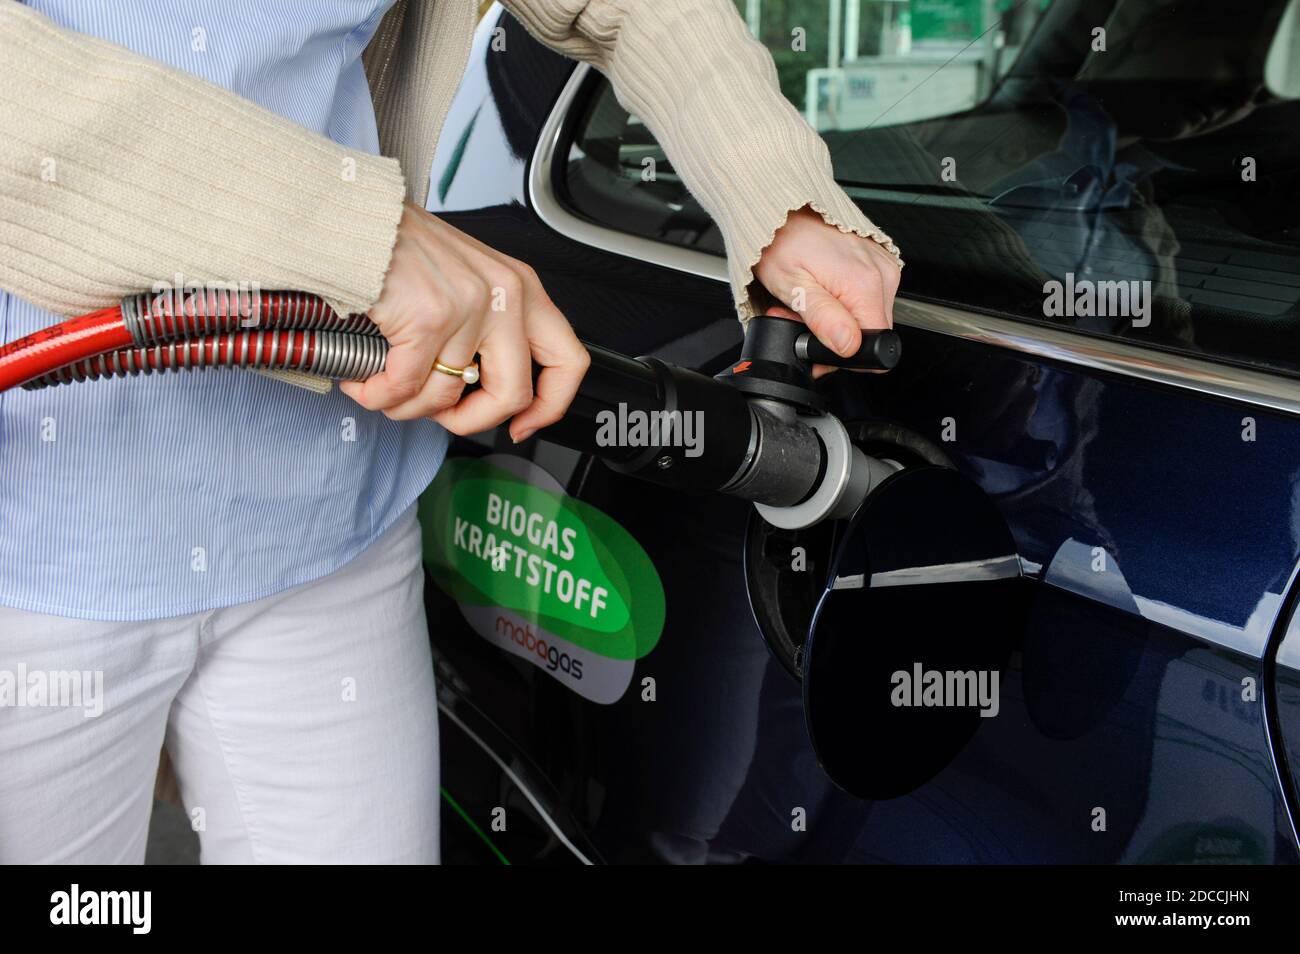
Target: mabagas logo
552,657
541,574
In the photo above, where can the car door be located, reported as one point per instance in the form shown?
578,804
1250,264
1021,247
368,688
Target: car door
1098,317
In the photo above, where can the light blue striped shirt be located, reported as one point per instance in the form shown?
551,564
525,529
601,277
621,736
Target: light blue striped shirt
174,494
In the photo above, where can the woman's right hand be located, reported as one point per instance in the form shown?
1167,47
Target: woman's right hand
449,297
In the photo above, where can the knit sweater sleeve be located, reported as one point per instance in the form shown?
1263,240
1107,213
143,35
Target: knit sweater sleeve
708,91
118,172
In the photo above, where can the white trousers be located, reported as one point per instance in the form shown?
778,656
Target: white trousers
302,727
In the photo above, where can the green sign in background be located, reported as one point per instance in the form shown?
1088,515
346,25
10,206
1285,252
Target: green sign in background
947,19
604,553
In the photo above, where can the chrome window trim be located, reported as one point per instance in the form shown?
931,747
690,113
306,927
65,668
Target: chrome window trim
1229,382
551,211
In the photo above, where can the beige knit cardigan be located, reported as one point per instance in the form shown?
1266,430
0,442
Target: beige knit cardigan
117,171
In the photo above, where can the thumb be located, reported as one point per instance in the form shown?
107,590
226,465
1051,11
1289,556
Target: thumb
829,320
780,311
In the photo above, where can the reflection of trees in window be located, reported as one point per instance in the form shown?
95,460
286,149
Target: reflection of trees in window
777,20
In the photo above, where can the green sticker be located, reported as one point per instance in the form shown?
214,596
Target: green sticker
494,539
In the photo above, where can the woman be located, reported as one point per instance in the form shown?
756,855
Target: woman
239,560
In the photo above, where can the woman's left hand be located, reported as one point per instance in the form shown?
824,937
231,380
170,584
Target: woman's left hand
837,283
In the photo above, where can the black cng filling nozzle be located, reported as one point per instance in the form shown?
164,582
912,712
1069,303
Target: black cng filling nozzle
758,430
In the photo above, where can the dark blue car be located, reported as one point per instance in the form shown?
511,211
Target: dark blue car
1099,397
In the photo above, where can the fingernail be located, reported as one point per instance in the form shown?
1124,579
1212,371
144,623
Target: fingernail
844,341
523,435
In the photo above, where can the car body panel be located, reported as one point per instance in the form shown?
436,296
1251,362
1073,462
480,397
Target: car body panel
1158,550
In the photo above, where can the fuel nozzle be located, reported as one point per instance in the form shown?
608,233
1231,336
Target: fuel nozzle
777,358
775,372
759,430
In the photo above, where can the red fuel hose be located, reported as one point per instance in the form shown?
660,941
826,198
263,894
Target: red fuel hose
42,351
194,329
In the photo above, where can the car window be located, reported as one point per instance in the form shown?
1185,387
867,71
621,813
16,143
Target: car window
1118,167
